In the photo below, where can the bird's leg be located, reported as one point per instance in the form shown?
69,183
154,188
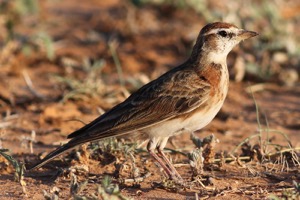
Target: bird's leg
166,160
162,164
151,149
169,164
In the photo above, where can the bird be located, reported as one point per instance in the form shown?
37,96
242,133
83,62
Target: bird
184,99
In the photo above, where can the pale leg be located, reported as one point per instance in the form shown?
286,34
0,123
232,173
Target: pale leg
151,147
160,152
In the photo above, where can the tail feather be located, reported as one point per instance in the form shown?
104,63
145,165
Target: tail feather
69,146
52,155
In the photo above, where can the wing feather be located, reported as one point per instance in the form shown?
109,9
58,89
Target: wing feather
171,95
175,93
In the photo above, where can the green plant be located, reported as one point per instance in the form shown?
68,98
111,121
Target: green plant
91,86
13,12
112,47
19,169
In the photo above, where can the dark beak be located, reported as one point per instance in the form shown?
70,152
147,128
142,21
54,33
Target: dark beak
244,34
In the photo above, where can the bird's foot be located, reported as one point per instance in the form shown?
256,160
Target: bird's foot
177,178
174,185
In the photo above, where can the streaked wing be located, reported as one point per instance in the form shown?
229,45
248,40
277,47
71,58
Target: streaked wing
175,93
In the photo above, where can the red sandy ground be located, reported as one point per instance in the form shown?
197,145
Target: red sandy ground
156,45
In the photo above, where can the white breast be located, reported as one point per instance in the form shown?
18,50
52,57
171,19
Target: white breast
179,125
195,122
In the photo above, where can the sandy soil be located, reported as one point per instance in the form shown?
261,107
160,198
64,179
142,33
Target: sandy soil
147,43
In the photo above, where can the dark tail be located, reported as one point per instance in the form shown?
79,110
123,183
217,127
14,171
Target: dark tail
52,155
71,145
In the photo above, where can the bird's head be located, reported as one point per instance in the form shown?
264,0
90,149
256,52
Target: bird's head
217,39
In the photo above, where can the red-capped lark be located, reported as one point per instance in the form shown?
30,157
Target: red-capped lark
184,99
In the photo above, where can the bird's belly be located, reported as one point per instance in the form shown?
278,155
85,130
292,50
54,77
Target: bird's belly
191,122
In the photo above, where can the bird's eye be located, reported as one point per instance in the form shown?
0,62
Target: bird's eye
223,33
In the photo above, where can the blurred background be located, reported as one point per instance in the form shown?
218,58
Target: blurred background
63,63
133,41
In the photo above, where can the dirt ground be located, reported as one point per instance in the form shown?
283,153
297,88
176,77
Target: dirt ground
42,101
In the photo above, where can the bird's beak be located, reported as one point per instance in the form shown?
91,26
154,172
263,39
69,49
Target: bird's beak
244,34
